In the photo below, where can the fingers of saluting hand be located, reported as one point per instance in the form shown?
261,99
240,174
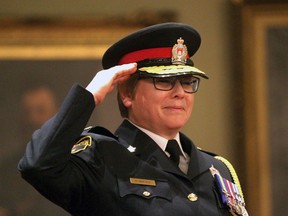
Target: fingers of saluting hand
121,73
105,80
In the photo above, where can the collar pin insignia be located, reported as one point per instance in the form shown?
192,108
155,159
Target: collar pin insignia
131,148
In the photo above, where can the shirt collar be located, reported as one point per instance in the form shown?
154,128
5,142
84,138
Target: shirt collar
161,141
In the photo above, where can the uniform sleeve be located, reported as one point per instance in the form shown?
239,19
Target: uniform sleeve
47,163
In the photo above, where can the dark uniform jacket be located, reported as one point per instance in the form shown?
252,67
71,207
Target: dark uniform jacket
96,178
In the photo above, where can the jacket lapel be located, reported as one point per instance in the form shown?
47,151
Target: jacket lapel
198,164
147,150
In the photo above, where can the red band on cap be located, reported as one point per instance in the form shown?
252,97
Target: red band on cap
139,55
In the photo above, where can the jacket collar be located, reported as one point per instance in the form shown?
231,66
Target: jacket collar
147,150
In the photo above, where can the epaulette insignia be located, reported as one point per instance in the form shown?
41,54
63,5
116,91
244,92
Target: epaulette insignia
230,194
88,128
81,144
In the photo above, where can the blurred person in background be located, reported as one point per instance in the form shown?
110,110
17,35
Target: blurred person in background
38,103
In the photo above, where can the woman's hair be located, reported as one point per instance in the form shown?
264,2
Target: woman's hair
126,89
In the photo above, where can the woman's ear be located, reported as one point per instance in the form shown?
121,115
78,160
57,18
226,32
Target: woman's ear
125,97
127,100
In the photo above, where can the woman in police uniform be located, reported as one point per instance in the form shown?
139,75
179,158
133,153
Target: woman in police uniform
137,170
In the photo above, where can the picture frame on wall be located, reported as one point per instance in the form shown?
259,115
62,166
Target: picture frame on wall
265,69
56,51
66,38
40,60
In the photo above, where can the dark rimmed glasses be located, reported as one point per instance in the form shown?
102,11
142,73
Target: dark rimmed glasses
190,84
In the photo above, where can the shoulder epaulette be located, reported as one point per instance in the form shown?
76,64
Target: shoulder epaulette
100,130
207,152
232,172
230,192
230,168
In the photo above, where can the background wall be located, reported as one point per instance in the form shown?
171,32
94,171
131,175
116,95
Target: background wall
216,123
216,21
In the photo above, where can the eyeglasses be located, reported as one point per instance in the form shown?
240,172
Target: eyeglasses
190,84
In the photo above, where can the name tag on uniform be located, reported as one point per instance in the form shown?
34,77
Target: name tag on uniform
140,181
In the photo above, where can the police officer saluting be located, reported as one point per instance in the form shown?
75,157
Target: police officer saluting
147,167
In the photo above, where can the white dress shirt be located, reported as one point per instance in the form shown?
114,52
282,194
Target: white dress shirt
162,142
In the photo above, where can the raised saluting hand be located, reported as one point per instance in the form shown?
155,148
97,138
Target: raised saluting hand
105,80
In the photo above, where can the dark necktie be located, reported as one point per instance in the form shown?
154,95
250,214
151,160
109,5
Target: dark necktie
174,150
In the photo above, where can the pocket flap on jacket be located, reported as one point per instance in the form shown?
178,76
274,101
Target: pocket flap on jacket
145,188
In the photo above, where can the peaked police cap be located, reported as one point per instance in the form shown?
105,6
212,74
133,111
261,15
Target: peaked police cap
161,50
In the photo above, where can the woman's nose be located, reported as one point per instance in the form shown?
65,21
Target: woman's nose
178,88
